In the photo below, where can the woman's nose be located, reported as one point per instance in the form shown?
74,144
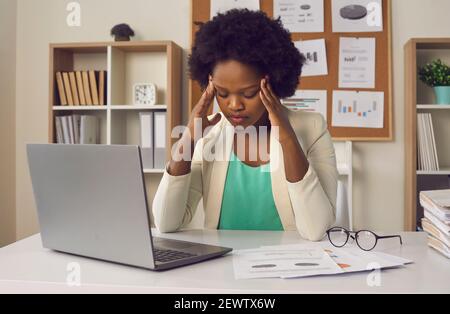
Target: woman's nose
235,104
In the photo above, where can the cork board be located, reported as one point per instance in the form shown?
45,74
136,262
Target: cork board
200,12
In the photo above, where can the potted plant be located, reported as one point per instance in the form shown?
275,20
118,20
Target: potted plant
122,32
437,75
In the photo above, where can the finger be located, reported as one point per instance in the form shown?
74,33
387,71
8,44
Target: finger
264,97
207,101
270,94
265,101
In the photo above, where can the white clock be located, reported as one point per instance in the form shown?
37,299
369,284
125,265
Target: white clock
144,94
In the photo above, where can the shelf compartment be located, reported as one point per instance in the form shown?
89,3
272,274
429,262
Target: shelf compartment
100,114
129,66
71,59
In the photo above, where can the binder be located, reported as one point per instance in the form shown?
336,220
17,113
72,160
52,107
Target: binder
59,130
89,130
159,135
146,120
66,129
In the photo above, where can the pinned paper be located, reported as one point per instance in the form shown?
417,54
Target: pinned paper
357,16
308,100
300,16
316,57
357,63
358,109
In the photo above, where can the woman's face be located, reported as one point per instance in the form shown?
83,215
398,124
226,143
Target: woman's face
237,91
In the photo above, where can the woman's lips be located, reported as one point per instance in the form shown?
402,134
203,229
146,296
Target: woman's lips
238,119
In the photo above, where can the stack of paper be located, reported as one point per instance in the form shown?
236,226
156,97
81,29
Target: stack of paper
436,205
426,143
306,260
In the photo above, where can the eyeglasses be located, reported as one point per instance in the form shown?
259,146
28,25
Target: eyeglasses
366,240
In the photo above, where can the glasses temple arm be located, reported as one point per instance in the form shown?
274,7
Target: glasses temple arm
394,236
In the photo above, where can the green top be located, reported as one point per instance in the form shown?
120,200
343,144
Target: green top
247,202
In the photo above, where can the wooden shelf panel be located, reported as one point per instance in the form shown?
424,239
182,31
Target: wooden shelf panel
78,108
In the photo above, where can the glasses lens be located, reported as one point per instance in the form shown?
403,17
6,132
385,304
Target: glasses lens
338,237
366,240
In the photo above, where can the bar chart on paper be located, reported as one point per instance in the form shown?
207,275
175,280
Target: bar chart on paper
358,109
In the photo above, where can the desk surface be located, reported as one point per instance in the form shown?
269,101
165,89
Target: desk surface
26,267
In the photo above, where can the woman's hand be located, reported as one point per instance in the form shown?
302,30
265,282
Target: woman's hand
277,115
200,112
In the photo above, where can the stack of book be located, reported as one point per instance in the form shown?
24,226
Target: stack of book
77,129
81,88
436,205
427,153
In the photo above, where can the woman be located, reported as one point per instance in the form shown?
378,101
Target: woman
248,62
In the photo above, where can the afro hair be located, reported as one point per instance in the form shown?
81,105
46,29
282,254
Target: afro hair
252,38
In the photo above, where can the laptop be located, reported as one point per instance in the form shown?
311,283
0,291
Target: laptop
91,201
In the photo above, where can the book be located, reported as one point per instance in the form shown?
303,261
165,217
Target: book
87,88
73,85
441,198
80,88
67,88
445,228
94,89
438,246
101,87
431,229
438,203
61,92
89,130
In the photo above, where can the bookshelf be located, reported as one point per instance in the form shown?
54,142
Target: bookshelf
419,98
125,63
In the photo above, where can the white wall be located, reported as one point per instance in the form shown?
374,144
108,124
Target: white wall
8,15
43,22
379,182
379,173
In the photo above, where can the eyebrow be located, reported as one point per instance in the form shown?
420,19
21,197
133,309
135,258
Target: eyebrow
242,89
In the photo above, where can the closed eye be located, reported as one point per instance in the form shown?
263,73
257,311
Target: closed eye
246,96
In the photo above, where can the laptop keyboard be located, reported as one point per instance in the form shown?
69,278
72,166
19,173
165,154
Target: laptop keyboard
164,256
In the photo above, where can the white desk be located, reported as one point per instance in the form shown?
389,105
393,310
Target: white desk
26,267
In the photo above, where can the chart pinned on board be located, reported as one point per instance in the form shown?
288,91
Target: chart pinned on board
358,109
308,100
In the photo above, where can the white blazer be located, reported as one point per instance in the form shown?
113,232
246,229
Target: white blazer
308,206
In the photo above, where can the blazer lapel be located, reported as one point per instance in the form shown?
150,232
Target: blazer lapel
279,185
216,173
